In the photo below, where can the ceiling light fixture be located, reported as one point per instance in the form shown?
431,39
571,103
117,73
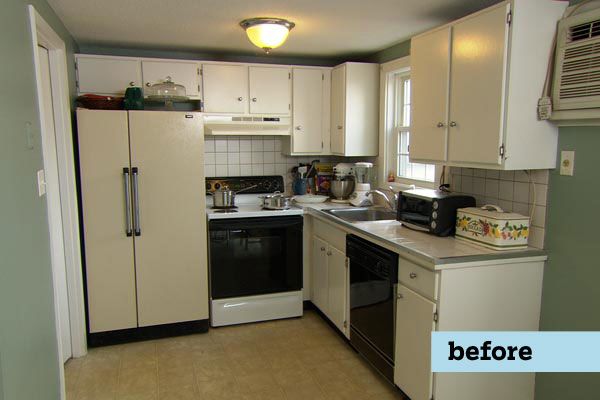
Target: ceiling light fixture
267,33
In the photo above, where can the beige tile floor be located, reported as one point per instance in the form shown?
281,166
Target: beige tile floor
289,359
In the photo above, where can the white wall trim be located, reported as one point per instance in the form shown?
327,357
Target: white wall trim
43,34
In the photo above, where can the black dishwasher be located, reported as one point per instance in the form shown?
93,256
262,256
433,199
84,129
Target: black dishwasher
373,279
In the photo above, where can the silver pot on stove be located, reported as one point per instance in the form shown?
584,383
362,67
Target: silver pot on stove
276,201
224,197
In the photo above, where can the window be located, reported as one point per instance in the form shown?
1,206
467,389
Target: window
400,140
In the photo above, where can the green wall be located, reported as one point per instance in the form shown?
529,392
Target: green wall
571,298
28,350
398,50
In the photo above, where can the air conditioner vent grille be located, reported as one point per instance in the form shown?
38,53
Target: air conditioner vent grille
583,31
581,91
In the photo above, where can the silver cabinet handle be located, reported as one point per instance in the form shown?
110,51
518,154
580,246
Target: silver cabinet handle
452,124
329,253
128,230
298,128
132,83
440,124
254,99
412,275
136,203
322,248
240,98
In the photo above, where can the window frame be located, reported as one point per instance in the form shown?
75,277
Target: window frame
389,134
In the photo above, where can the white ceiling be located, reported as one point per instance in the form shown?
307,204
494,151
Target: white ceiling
323,27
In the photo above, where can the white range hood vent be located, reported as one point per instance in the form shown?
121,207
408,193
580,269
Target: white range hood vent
246,125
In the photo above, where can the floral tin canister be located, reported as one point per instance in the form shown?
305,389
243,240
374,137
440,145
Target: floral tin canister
491,227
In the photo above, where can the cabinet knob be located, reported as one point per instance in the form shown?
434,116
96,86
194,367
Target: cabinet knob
132,83
412,275
329,253
298,128
240,98
339,127
148,84
254,99
322,248
440,124
400,296
452,124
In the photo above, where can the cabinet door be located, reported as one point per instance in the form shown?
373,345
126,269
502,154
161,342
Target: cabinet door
477,87
430,66
107,75
109,262
320,296
307,133
225,88
270,90
414,324
336,266
183,73
170,252
338,106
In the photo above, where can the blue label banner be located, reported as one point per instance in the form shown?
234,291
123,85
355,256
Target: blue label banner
515,352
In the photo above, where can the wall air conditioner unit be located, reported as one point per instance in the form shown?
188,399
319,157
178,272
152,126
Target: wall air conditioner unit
576,84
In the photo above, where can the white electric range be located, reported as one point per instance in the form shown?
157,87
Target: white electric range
255,255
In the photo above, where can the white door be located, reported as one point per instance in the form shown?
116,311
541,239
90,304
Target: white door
336,268
414,324
225,88
320,291
54,208
170,250
338,106
307,132
430,65
182,73
270,90
107,75
477,87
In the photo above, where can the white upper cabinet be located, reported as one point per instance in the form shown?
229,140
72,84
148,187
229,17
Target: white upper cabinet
181,72
475,86
355,109
270,90
108,76
225,88
310,111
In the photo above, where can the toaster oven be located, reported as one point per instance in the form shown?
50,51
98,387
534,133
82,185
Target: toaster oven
432,211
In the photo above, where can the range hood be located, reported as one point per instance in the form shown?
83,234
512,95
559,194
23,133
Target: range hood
246,125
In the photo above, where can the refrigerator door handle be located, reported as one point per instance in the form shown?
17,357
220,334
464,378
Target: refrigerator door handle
126,187
136,203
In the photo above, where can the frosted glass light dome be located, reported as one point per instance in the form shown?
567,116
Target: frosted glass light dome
267,33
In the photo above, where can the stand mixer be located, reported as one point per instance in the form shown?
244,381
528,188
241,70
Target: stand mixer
342,184
360,198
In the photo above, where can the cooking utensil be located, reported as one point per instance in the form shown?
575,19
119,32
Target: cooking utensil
224,197
276,201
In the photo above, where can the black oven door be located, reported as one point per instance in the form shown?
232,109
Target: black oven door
253,256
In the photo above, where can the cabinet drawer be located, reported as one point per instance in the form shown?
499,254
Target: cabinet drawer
418,278
334,236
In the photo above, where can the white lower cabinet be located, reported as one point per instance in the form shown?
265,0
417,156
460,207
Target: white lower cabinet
320,276
414,324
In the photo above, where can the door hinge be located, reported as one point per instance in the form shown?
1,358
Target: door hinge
502,151
509,17
435,317
77,83
323,76
347,262
200,71
76,65
322,144
289,75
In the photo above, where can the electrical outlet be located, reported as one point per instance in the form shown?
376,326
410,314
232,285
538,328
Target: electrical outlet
41,181
567,162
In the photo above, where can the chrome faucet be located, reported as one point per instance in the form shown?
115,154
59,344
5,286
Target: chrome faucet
391,204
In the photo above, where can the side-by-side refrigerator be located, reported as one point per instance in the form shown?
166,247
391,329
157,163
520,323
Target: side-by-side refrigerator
144,224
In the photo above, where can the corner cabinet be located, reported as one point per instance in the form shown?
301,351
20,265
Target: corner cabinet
311,88
355,109
475,86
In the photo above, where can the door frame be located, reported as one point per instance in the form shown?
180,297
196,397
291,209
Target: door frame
42,34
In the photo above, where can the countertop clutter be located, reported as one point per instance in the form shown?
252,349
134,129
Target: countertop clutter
439,252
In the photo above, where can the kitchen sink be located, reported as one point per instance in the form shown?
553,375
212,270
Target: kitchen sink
362,214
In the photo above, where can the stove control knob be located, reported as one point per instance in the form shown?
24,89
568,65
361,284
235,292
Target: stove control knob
435,205
217,185
434,215
433,225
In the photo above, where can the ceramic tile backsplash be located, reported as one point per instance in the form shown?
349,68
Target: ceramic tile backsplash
511,190
257,155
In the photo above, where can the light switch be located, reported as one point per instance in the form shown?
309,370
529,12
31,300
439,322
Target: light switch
567,162
41,180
